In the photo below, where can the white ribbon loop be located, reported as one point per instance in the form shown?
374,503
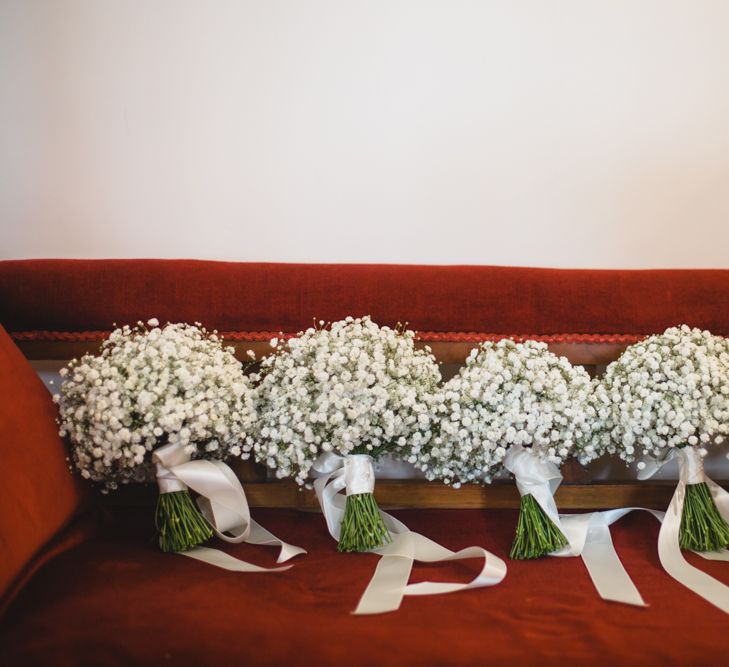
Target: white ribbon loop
389,584
165,458
330,481
222,502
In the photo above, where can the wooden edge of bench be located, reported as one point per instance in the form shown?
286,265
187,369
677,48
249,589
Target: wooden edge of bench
420,494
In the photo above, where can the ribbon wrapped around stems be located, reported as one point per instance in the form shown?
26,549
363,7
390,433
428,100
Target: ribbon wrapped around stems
389,584
589,536
223,503
691,471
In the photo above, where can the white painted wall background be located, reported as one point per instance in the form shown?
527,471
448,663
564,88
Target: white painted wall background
521,132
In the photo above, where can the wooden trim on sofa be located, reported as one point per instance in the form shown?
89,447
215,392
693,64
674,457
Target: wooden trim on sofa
420,494
448,352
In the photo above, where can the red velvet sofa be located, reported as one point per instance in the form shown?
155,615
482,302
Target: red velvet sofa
83,583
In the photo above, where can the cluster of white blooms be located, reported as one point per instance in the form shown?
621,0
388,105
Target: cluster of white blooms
149,387
351,388
669,390
506,394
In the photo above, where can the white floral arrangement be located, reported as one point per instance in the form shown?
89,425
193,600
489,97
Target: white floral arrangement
508,396
666,395
351,388
667,391
153,386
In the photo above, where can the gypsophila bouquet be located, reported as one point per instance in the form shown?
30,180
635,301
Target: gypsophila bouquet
151,387
669,394
509,396
353,389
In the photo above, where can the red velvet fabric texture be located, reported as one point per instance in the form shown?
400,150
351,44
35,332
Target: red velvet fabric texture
81,295
38,494
117,600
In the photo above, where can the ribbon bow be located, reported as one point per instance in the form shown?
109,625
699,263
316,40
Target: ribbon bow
224,505
389,584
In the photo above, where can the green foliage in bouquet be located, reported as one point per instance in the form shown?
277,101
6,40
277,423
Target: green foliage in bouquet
180,524
362,526
536,533
702,527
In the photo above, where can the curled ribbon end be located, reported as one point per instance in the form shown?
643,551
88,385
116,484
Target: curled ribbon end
285,557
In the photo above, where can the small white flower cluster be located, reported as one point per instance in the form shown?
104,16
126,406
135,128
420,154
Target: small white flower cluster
669,390
506,394
149,387
352,388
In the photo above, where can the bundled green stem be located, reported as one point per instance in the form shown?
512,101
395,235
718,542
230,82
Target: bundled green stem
702,527
362,525
179,522
536,534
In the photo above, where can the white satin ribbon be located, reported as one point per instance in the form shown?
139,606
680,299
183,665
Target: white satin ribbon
691,471
389,584
588,534
222,502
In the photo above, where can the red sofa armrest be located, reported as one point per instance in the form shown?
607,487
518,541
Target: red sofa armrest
39,496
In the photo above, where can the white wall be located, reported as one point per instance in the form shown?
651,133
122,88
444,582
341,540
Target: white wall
532,132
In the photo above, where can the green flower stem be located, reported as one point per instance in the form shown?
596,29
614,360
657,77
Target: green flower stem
179,522
362,525
702,527
536,533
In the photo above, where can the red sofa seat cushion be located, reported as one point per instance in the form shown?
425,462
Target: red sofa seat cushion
38,493
117,600
91,295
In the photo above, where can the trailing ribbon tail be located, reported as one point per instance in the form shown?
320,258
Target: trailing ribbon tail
223,503
389,583
592,531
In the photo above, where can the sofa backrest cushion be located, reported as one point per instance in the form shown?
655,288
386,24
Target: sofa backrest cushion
92,295
38,493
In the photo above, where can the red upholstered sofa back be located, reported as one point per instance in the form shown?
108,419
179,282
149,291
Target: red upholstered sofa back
91,295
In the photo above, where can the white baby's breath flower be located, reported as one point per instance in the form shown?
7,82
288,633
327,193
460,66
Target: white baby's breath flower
354,387
147,388
669,390
506,394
